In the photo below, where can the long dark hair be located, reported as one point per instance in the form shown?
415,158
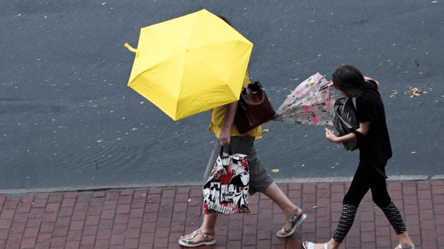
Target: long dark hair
349,79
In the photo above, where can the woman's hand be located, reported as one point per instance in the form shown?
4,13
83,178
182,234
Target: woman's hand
368,78
224,138
330,135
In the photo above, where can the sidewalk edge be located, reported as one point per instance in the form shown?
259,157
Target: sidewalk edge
200,183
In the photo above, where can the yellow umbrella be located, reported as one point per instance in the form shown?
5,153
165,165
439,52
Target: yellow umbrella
190,64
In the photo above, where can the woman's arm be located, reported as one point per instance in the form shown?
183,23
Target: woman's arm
225,134
363,129
368,78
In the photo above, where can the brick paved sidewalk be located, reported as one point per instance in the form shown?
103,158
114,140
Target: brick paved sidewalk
156,217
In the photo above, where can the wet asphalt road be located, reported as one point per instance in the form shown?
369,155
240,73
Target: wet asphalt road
68,119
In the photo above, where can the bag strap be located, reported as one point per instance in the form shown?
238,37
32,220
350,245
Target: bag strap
329,87
259,97
354,104
222,150
249,78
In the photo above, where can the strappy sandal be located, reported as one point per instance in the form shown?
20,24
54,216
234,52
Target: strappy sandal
295,221
311,245
188,241
412,246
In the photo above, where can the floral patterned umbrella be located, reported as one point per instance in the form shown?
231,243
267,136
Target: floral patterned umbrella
310,103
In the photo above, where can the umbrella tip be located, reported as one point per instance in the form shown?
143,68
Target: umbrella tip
131,49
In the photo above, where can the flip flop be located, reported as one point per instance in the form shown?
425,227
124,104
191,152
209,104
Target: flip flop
412,246
187,240
311,245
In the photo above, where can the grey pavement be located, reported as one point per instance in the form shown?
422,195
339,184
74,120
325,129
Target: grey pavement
156,217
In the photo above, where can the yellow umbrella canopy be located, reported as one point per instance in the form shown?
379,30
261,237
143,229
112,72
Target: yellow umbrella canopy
190,64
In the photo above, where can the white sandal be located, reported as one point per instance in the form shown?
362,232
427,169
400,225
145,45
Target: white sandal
412,246
311,245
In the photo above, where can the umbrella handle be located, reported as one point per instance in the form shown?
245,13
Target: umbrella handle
329,87
131,49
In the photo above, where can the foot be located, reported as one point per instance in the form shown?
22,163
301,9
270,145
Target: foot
332,244
197,238
291,223
405,242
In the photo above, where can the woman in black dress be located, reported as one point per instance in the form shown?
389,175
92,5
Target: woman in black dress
374,152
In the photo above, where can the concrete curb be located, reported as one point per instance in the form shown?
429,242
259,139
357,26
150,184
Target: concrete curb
191,184
349,179
96,188
437,177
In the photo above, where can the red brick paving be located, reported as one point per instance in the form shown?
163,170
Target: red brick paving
156,217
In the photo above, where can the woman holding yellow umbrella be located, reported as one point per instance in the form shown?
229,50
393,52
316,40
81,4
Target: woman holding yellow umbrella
260,181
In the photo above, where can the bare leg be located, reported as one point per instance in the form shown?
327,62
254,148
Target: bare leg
277,196
293,214
404,239
209,223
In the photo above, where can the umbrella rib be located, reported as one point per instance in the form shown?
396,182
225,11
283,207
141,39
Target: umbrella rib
178,102
209,45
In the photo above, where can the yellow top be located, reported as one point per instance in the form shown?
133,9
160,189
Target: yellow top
218,115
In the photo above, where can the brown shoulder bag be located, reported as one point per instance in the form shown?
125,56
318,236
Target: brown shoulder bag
253,108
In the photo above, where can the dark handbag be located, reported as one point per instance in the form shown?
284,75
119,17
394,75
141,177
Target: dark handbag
345,120
253,108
